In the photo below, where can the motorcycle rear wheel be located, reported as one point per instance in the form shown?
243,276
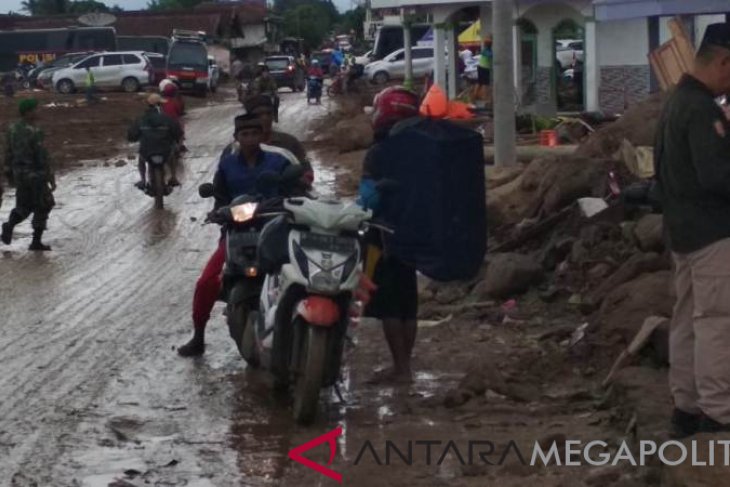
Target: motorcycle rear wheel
158,186
312,362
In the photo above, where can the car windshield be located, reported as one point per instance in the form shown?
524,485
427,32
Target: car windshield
188,55
277,64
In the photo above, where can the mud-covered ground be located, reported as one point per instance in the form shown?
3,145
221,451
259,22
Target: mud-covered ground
92,392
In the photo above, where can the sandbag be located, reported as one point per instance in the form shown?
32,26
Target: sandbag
435,104
437,205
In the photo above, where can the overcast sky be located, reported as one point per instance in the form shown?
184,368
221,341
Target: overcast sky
14,5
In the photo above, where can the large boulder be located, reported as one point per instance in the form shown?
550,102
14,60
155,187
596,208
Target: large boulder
497,176
638,126
636,265
509,274
547,185
626,307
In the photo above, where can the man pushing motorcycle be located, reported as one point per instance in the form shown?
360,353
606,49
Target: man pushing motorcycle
236,175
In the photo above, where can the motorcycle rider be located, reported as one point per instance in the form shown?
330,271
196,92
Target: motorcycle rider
395,301
173,106
263,108
263,84
236,176
157,134
315,70
28,167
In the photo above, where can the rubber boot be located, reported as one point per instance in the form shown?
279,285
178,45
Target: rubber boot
7,233
195,347
7,228
37,244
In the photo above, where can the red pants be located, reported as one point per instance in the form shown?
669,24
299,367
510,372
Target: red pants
208,287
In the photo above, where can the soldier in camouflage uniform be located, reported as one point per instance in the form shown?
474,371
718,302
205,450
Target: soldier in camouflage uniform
27,165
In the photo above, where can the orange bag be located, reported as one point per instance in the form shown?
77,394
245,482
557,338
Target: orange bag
435,104
459,111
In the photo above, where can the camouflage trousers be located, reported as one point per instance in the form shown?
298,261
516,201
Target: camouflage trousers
32,196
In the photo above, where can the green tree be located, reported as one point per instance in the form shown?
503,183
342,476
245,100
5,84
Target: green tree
45,7
352,20
86,6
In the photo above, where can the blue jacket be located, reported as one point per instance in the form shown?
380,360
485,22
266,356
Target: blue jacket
235,177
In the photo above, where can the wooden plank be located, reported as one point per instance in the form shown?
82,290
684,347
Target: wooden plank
683,41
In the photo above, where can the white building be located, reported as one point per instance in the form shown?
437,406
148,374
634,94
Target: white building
617,36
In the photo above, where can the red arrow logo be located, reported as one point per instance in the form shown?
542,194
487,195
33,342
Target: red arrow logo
329,438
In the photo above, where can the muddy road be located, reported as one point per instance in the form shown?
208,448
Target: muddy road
93,393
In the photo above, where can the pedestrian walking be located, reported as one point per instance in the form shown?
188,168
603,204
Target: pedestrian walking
28,167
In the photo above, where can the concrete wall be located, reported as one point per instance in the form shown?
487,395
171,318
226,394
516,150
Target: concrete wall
624,73
623,42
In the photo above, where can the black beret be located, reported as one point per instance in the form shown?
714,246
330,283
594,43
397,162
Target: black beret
717,35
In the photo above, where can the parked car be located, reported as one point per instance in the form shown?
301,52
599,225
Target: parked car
60,62
41,76
286,72
569,52
214,74
129,71
393,65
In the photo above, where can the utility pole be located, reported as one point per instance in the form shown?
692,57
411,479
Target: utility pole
503,96
407,52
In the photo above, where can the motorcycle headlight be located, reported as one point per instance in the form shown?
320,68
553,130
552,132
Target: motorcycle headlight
324,281
243,213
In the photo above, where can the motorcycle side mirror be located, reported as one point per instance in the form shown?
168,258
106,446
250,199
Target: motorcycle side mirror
205,190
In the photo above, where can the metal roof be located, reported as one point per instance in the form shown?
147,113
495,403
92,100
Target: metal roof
628,9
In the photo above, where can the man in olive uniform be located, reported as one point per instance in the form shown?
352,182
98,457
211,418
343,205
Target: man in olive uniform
28,166
692,155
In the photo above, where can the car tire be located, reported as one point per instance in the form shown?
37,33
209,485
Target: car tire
65,86
130,85
381,77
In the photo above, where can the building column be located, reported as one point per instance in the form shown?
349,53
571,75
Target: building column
504,85
590,67
407,54
517,54
452,43
439,60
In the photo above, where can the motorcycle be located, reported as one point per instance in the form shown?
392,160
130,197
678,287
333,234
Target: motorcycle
299,330
314,90
156,186
242,222
22,75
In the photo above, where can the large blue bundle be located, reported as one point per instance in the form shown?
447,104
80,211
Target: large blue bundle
438,206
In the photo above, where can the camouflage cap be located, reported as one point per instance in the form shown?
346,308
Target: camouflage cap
27,105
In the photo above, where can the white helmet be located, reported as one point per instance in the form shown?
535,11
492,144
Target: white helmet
164,83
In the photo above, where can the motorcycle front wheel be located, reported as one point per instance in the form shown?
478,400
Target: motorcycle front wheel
312,360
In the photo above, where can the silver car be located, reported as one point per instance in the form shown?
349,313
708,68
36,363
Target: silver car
128,71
